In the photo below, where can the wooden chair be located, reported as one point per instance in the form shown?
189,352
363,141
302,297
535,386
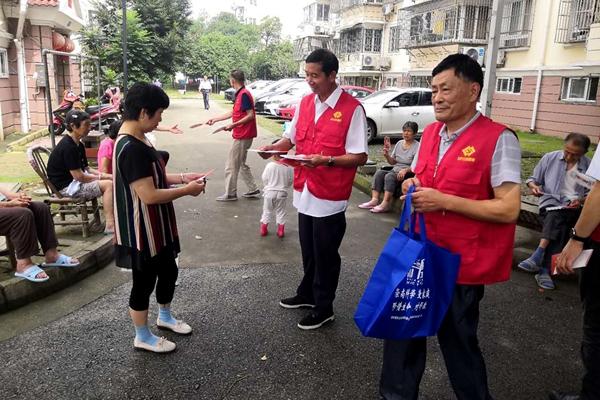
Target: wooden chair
9,252
37,156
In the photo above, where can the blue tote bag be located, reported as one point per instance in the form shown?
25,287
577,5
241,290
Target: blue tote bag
411,286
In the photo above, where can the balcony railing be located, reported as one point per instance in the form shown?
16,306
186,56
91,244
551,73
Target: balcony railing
517,21
574,20
444,22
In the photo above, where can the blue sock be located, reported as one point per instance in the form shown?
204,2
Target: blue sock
143,334
538,255
164,314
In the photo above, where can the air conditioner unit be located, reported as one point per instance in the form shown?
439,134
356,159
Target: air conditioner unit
387,9
501,59
370,61
476,53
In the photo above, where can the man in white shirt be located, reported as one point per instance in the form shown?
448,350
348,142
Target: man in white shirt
587,233
205,88
329,130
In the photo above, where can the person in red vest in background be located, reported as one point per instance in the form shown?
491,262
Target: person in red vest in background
467,185
586,233
244,131
329,131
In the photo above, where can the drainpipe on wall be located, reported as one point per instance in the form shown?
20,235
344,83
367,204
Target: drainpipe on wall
538,84
22,72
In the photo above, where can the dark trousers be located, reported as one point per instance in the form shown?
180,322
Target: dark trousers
404,360
590,347
320,240
160,271
557,226
26,225
205,94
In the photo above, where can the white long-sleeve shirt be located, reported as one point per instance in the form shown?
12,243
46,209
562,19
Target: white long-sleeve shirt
277,177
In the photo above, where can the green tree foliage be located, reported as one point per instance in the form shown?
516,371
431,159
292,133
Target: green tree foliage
155,37
222,44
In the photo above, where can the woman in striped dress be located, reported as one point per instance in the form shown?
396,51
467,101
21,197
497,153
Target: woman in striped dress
145,226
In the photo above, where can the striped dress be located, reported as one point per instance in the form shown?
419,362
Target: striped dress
141,230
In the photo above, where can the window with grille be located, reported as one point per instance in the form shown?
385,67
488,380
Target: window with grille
3,63
372,40
579,89
509,85
574,20
516,23
322,12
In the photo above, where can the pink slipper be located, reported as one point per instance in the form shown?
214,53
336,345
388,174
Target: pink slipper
367,206
379,210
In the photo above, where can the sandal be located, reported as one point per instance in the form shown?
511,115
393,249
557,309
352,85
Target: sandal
380,210
62,261
31,274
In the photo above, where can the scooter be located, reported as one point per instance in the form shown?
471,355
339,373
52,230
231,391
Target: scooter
103,114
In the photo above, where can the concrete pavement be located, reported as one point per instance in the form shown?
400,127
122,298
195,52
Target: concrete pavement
78,343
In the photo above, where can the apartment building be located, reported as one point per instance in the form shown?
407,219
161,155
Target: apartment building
248,11
359,42
26,28
315,31
547,80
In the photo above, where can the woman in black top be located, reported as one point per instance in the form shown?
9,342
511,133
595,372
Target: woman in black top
70,173
146,234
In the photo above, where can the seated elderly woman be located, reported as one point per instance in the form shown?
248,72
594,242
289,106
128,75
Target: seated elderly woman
387,180
70,173
25,222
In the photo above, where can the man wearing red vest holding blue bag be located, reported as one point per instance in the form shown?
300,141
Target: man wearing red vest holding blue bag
467,186
329,130
586,233
244,131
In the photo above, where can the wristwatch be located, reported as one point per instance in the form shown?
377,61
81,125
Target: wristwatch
577,238
330,162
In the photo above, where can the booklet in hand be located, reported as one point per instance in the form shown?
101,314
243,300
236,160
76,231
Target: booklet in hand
581,261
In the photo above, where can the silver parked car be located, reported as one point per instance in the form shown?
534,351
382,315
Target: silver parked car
388,109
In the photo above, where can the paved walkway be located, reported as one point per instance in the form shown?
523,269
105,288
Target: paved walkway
78,343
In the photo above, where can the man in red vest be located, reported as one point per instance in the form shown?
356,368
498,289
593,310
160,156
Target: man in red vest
244,131
587,231
467,178
329,130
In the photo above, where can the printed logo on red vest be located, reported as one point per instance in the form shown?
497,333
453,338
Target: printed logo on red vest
467,153
337,116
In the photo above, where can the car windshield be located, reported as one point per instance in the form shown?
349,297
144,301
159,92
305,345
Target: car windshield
379,96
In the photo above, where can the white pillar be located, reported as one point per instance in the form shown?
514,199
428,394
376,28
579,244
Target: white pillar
489,79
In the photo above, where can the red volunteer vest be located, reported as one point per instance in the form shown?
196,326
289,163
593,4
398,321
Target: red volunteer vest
486,248
596,234
247,130
326,137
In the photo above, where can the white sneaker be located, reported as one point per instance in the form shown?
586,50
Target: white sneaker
178,327
162,346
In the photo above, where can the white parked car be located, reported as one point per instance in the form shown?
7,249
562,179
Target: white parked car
388,109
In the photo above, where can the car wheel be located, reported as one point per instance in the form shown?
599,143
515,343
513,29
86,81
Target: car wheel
371,131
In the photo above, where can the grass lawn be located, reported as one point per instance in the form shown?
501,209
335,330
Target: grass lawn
16,168
190,94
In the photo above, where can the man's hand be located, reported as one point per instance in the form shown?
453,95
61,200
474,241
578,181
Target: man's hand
194,188
564,264
269,147
229,127
16,203
314,160
535,189
175,129
408,183
210,122
428,200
